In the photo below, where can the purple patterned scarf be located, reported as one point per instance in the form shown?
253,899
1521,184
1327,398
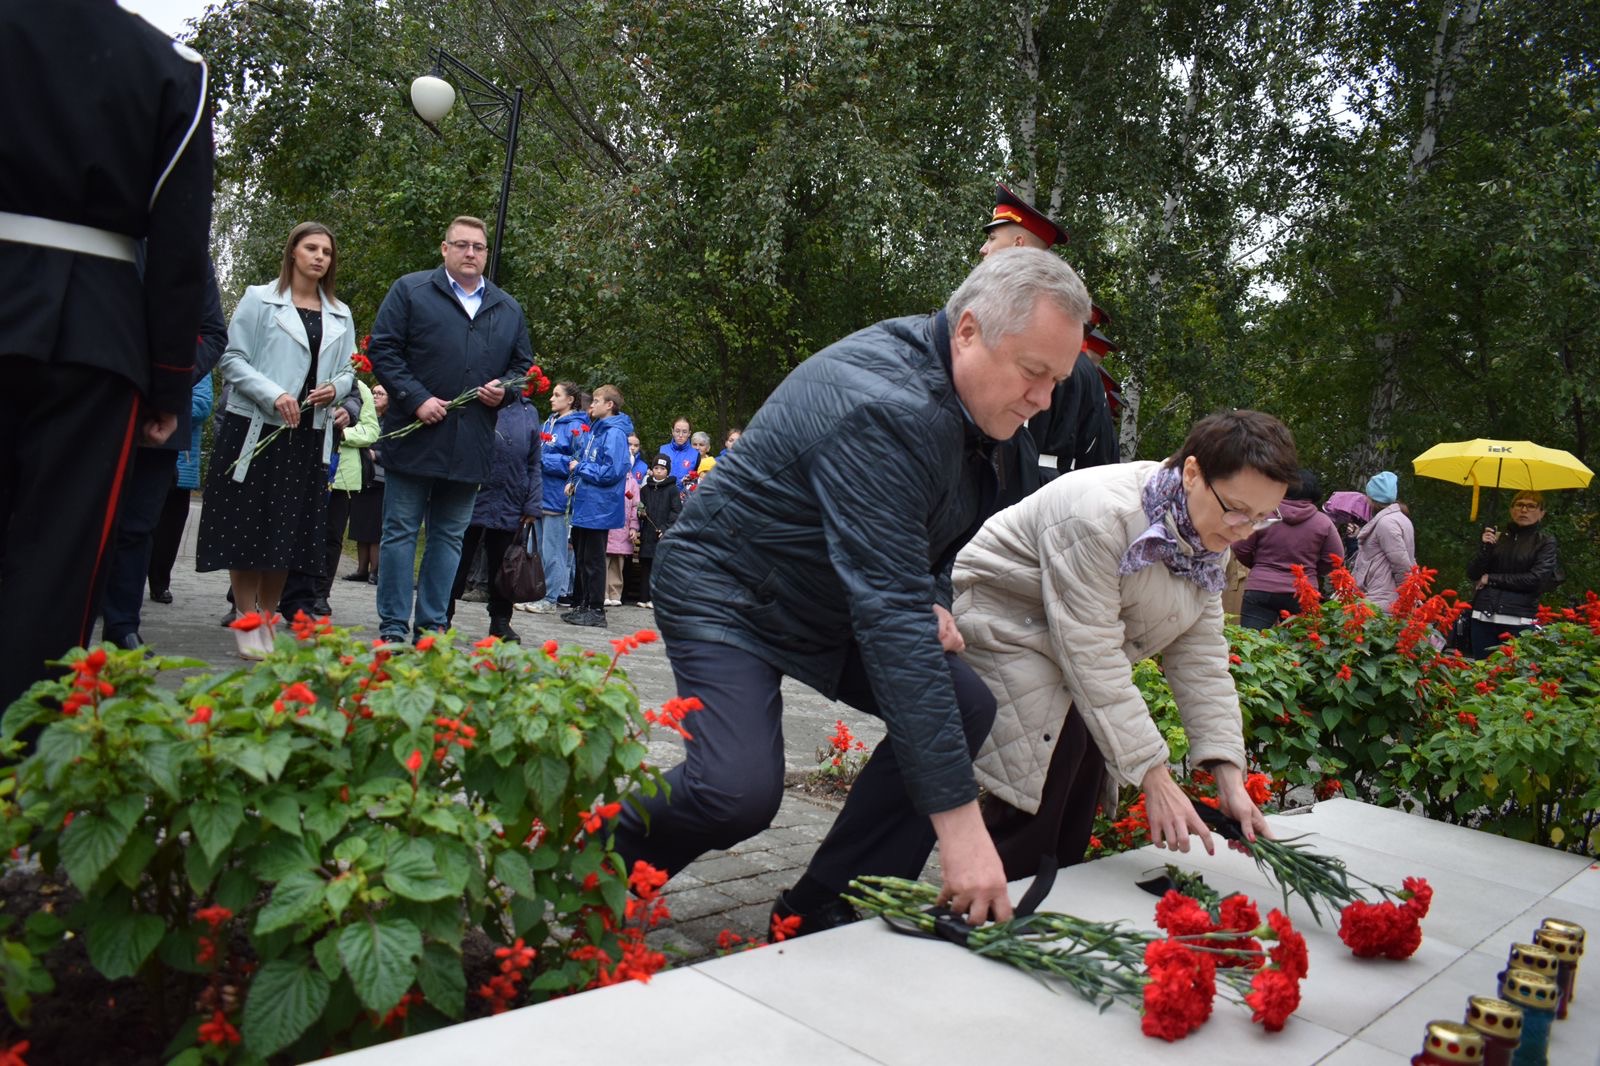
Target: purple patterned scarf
1171,538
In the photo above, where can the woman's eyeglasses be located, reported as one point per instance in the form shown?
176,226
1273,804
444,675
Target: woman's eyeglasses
1240,519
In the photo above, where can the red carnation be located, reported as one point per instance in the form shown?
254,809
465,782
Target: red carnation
1239,914
1178,997
1420,896
1289,953
1379,930
1181,916
1273,996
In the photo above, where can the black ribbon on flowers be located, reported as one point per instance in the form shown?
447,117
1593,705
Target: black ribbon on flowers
1228,828
949,926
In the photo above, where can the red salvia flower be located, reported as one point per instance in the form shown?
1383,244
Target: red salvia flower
425,643
201,716
783,928
414,761
218,1031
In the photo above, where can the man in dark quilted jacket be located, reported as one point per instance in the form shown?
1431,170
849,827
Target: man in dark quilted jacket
823,554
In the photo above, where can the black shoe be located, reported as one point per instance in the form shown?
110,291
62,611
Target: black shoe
589,617
830,915
359,575
565,601
372,579
161,595
501,627
127,642
321,609
231,617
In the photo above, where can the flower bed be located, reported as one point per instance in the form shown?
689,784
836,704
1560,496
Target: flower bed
1343,699
303,851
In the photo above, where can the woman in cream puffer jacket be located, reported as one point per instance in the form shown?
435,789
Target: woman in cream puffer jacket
1057,598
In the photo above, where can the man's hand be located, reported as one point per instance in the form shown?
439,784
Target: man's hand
321,396
341,418
491,395
1235,802
974,879
432,411
288,409
156,428
949,636
1172,816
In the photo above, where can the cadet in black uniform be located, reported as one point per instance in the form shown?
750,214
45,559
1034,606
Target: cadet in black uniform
107,143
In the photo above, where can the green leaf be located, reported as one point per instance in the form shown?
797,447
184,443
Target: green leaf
412,704
412,873
199,869
61,744
327,952
513,871
326,821
379,957
295,897
136,855
89,845
350,849
283,812
443,980
162,761
282,856
546,777
544,857
261,759
340,891
237,889
215,822
119,942
285,999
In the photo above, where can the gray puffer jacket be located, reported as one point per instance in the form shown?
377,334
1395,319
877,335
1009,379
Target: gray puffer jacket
856,484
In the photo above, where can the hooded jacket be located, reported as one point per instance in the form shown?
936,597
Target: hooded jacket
1305,536
798,551
685,459
1386,554
602,474
559,451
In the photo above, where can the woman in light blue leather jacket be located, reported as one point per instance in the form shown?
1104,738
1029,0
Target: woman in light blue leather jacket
264,512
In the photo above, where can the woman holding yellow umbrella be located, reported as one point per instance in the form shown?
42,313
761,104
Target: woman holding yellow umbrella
1512,569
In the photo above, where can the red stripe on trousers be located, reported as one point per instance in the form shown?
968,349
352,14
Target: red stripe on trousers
108,524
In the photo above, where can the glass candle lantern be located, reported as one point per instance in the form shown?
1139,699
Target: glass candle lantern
1536,994
1449,1044
1565,949
1500,1022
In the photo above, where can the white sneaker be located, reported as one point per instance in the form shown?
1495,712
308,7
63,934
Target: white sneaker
613,603
538,607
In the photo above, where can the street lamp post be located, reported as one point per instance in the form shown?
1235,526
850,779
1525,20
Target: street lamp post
497,111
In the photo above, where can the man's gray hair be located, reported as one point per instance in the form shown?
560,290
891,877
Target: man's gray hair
1002,291
700,437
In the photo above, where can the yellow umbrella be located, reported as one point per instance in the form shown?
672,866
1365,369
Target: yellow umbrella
1504,464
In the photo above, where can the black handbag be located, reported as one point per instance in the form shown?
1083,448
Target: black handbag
521,576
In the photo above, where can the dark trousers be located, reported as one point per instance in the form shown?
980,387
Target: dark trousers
302,591
730,783
67,438
645,563
1485,636
635,588
1263,610
495,542
1065,817
588,568
168,537
154,471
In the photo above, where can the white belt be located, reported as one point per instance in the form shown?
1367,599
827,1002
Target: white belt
66,236
1049,461
1501,619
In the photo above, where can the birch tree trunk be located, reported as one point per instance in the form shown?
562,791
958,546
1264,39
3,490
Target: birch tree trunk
1456,22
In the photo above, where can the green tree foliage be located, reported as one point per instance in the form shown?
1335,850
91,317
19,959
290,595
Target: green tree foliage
1376,220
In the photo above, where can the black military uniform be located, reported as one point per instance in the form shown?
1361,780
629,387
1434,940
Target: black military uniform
107,142
1076,430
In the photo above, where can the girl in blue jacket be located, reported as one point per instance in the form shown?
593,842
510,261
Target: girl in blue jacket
599,479
566,418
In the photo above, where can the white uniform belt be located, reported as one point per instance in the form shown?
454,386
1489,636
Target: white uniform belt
1049,461
1502,619
66,236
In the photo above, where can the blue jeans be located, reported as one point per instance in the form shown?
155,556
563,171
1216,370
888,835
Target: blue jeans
407,502
555,555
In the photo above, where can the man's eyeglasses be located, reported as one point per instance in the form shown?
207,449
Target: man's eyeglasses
469,246
1240,519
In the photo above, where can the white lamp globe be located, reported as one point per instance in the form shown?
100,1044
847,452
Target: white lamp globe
432,97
